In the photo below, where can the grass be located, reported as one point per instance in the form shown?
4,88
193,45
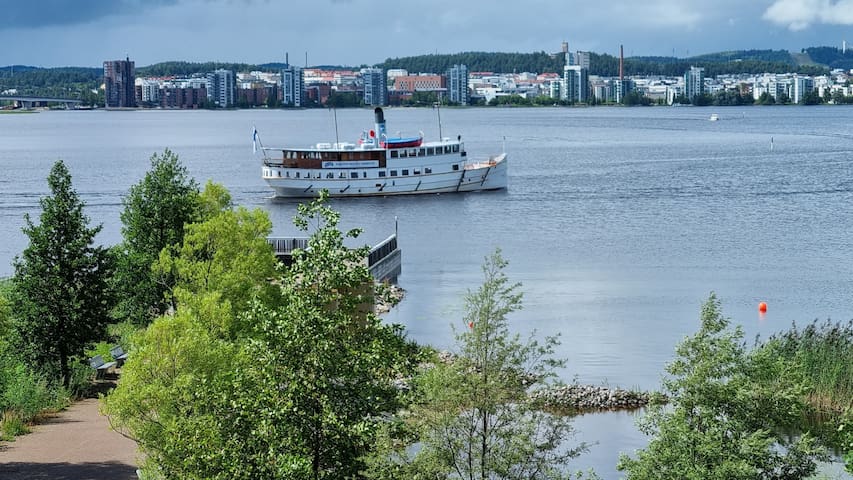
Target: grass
825,353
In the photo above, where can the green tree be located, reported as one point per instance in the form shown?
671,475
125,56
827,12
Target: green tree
725,407
154,215
227,254
60,297
765,99
292,389
475,417
328,364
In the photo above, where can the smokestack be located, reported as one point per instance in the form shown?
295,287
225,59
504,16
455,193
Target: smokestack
287,58
621,63
565,48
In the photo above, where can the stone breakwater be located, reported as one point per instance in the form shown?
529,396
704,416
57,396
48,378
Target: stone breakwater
591,398
581,398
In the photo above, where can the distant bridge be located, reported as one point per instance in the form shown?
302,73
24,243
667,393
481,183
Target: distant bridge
32,102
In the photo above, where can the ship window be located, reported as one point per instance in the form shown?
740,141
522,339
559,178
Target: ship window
405,171
297,174
393,154
427,170
286,174
363,174
342,175
455,148
417,171
403,154
455,167
393,173
413,152
430,151
330,175
421,152
447,149
382,173
353,175
279,173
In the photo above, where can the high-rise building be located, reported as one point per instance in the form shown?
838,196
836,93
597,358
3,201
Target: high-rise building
292,86
119,83
575,83
221,88
457,84
694,82
802,86
374,86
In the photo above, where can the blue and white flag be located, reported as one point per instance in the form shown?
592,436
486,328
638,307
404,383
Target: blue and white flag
254,140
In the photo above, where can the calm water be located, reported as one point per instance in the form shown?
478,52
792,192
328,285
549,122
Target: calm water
618,222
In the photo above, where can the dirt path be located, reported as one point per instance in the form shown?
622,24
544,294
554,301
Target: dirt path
77,444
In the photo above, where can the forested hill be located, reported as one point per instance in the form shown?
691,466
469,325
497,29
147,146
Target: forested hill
831,57
743,61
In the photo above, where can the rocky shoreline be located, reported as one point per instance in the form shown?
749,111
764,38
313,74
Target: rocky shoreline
392,294
585,398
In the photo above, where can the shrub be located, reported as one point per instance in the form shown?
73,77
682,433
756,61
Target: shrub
12,424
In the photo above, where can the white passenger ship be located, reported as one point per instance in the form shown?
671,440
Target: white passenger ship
378,165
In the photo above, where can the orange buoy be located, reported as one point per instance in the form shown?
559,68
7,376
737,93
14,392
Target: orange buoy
762,307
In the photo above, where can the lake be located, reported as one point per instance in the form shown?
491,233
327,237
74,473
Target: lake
618,222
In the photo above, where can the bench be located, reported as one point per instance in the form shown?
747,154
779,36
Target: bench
97,362
118,354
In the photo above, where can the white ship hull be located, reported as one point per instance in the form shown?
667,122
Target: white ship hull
491,175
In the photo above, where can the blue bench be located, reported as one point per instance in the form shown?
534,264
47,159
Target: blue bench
97,362
118,354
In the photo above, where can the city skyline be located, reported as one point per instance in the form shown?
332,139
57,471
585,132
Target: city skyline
84,33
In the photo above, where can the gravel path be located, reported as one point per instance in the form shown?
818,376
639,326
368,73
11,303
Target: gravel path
77,444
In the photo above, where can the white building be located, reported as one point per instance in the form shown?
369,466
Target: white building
150,91
694,82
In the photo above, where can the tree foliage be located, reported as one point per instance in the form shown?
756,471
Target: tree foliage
473,418
60,296
726,405
154,215
292,388
227,254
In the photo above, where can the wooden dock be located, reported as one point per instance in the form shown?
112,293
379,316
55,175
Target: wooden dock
383,260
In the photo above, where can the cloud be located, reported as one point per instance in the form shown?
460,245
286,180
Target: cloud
801,14
48,13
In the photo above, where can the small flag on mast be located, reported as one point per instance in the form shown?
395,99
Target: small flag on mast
254,140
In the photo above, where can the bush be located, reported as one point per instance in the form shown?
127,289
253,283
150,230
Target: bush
26,393
12,424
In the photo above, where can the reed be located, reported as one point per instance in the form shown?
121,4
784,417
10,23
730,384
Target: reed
824,351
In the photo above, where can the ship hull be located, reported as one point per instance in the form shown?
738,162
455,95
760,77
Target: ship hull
490,175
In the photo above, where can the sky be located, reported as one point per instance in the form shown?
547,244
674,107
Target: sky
53,33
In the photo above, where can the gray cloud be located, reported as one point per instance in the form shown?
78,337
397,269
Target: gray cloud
354,32
46,13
